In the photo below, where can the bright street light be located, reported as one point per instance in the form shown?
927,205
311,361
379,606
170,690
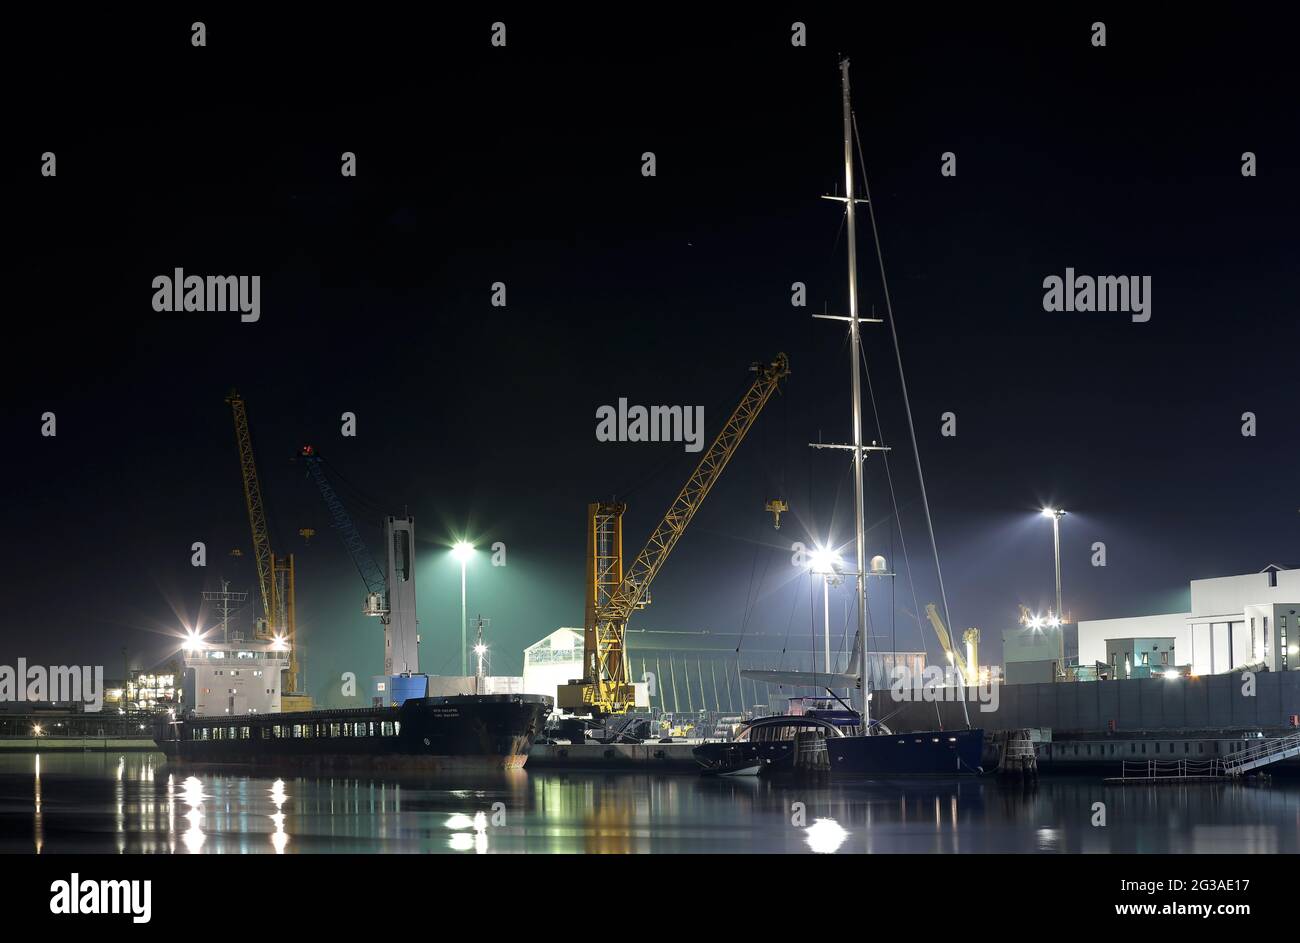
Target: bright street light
463,551
825,563
1056,514
480,654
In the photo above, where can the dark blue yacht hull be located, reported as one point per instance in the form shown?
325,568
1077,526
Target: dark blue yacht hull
920,753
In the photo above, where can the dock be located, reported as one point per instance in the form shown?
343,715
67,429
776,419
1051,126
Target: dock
75,744
624,757
1169,772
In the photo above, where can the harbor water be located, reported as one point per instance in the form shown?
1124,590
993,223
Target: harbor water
137,803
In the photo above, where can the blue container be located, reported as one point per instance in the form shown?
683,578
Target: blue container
403,687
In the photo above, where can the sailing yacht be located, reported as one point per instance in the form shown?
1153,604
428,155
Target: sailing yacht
873,750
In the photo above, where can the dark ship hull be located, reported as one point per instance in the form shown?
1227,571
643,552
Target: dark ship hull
782,743
920,753
744,759
440,734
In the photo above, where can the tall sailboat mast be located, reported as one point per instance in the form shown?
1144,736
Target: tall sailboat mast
855,354
855,365
867,755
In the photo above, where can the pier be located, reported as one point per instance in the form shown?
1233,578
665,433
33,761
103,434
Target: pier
75,744
647,757
1153,772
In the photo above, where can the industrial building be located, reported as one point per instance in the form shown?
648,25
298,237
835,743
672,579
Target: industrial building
553,661
1030,654
1235,622
1140,658
693,671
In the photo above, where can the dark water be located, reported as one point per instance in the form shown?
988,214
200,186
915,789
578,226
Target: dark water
135,802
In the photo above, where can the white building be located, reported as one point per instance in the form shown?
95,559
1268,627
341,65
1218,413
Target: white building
240,676
1235,621
553,661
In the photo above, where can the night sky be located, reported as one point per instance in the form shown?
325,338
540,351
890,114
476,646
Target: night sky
522,165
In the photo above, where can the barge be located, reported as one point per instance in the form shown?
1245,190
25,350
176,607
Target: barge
460,733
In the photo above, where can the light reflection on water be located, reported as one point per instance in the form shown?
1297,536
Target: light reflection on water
137,803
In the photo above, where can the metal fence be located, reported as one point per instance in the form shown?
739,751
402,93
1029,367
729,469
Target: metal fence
1172,769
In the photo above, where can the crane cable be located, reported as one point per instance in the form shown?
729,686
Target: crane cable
749,594
916,449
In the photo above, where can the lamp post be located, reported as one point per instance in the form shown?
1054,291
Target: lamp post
1056,514
826,563
462,551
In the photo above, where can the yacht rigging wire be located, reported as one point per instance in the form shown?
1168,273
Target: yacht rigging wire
916,450
898,518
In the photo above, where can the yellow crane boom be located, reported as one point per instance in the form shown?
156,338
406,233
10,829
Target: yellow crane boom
606,686
256,515
972,639
946,641
275,574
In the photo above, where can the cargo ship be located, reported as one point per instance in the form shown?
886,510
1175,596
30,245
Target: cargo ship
457,733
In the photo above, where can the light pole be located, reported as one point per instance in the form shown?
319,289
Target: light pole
1056,514
462,552
826,563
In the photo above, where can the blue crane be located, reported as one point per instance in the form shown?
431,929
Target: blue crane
376,585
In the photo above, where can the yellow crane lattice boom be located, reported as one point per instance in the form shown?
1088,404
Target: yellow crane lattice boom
946,641
256,515
607,686
275,574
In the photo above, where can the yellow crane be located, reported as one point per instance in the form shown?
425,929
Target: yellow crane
256,516
971,638
275,575
606,686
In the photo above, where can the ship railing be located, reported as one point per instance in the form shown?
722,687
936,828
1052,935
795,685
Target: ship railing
1172,769
1262,753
